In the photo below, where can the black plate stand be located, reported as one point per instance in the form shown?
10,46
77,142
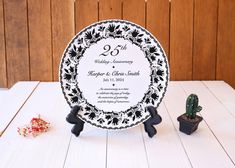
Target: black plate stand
153,120
148,124
73,119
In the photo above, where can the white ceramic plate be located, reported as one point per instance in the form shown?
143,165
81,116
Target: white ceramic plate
114,69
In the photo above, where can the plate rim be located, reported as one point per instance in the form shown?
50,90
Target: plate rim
166,82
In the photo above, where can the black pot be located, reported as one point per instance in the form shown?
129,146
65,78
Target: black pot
188,126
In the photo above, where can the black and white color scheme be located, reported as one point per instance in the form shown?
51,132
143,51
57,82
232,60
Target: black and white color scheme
113,70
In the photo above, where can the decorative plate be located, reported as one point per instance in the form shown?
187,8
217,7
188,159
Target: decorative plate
114,69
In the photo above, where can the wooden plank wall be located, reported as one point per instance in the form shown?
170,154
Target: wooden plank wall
197,35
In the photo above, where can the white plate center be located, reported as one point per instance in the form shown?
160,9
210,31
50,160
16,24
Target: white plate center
113,74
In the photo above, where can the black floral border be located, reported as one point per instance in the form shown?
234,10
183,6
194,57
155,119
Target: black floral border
92,34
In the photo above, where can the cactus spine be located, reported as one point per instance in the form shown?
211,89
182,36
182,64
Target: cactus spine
192,106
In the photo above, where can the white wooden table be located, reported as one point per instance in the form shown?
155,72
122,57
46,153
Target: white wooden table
212,145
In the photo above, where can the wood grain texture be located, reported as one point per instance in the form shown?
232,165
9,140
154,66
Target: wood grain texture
18,93
86,13
47,150
211,145
157,21
224,93
91,144
126,148
205,36
63,29
39,18
134,11
215,113
3,75
225,45
110,9
198,35
202,147
167,139
181,40
15,12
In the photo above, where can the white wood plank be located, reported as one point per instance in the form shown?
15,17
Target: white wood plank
87,150
47,150
12,100
224,93
165,148
126,149
202,147
220,121
2,94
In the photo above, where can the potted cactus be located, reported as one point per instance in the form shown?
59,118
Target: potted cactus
189,121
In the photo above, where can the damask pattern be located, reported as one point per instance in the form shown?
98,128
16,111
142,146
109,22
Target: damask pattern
137,36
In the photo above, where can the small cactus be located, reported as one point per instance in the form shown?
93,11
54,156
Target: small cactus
192,106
